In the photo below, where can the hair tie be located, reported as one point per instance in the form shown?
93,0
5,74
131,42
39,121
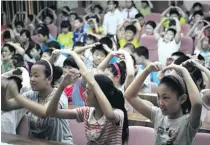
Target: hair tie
117,68
51,69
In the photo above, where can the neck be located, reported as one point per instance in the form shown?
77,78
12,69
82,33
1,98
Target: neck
98,112
44,93
176,115
112,11
146,63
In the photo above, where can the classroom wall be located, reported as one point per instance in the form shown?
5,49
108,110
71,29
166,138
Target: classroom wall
71,4
189,4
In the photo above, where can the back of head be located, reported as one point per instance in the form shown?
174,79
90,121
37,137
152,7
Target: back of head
197,4
139,15
107,41
7,35
115,98
99,47
19,23
174,11
142,51
151,23
65,24
53,45
17,60
78,44
181,59
43,30
198,13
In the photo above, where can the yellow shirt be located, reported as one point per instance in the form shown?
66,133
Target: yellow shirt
146,11
123,42
100,29
182,20
66,39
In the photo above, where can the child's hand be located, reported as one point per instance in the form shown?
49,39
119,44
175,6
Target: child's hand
154,67
193,62
56,52
71,76
178,68
107,48
88,76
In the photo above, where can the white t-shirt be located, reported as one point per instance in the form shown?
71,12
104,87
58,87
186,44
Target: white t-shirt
205,114
166,49
59,62
132,13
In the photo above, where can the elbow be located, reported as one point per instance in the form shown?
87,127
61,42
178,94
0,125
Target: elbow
110,116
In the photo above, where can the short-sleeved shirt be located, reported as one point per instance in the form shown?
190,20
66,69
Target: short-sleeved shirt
123,42
172,131
146,11
44,45
66,39
49,128
102,131
182,20
100,29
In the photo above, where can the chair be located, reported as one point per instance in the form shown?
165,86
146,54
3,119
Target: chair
141,135
186,45
151,44
153,17
78,132
202,139
23,129
185,28
53,30
206,7
36,39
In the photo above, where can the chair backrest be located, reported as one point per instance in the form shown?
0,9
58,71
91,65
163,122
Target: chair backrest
202,139
186,45
53,30
36,39
154,87
206,7
153,17
185,28
151,44
141,135
23,129
78,132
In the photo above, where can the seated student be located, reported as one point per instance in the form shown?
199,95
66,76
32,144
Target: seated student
105,107
132,35
7,36
45,37
196,7
140,18
170,43
174,56
141,54
146,7
43,76
80,33
65,37
47,15
30,23
149,28
25,39
72,16
130,11
177,120
33,53
75,92
174,12
17,27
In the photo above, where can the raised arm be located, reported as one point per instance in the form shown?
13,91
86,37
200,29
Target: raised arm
13,21
119,27
181,11
166,11
104,64
157,30
178,31
150,4
17,47
138,27
83,48
131,94
191,32
194,95
54,15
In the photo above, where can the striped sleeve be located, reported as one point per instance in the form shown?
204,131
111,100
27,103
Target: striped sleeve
81,113
119,113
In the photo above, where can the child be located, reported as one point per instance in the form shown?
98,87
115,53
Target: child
178,119
33,53
170,43
149,28
130,10
25,39
196,7
140,18
48,15
65,38
105,108
146,7
80,33
94,25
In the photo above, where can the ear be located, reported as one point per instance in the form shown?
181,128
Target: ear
183,98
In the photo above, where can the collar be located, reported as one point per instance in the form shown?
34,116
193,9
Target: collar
92,120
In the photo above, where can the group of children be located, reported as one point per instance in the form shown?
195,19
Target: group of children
97,64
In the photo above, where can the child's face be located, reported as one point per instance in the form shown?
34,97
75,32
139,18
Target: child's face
23,38
111,5
168,101
129,35
65,30
96,10
6,54
198,18
46,56
197,8
47,20
149,30
34,53
19,28
174,16
72,17
169,36
98,57
128,4
77,24
141,21
139,60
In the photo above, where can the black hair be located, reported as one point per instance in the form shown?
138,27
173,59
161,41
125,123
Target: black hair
172,30
73,13
43,30
122,67
134,60
69,61
200,12
181,59
27,33
48,14
200,57
92,17
131,28
139,15
116,99
114,2
142,51
208,20
31,46
151,23
174,84
57,71
99,7
11,48
18,81
66,24
174,11
6,35
67,8
49,51
78,44
178,53
19,23
99,47
91,37
197,4
79,19
30,17
53,44
172,23
145,2
17,60
107,41
130,46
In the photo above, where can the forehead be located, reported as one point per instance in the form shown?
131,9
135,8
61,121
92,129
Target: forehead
169,32
37,68
163,89
98,52
5,48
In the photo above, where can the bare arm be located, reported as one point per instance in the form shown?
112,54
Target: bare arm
18,48
103,65
191,32
150,4
83,48
157,30
181,11
119,27
13,22
138,27
178,31
166,11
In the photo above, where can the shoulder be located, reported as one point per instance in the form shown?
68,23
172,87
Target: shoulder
30,94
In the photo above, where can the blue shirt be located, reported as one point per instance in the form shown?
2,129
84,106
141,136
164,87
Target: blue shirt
44,45
77,33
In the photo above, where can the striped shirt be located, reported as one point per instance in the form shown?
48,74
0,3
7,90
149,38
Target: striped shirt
102,131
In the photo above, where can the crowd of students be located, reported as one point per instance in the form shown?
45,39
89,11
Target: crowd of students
97,64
